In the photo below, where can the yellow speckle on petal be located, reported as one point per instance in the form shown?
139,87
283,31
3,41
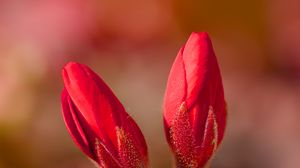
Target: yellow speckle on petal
183,140
129,154
215,128
99,152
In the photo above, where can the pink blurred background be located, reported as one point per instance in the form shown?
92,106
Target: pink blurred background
132,45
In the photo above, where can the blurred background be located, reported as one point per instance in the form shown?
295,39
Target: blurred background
132,45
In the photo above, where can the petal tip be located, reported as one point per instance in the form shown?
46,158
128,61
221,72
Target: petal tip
70,65
69,70
200,39
200,35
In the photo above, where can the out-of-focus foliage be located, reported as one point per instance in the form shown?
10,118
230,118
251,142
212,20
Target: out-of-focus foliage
132,44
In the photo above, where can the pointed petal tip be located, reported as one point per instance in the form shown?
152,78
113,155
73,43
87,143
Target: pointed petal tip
199,38
70,69
70,65
67,69
188,72
200,35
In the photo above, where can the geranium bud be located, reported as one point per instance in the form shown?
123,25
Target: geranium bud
97,121
194,105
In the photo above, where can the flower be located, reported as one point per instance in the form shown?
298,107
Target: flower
194,105
97,121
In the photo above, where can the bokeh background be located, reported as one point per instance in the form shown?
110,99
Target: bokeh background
132,44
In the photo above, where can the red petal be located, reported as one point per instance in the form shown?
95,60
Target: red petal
83,135
195,80
104,157
182,139
210,140
198,58
101,112
129,151
74,127
131,128
175,91
94,100
189,74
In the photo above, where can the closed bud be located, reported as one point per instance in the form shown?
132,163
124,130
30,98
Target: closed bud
97,121
194,105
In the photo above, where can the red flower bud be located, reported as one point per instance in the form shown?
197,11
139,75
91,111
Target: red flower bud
194,105
97,121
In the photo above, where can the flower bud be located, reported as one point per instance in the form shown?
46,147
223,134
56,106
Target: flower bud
194,105
97,121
